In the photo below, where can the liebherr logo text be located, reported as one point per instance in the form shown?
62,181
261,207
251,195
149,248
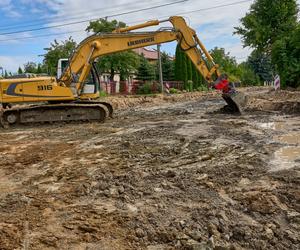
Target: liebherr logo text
145,40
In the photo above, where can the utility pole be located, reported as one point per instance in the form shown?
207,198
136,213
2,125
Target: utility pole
161,81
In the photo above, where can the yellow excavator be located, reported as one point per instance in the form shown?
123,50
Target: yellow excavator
70,97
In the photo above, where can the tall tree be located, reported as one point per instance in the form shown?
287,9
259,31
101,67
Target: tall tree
286,56
167,67
56,51
39,69
226,62
195,77
178,64
104,26
267,21
261,64
247,75
271,27
237,72
181,65
189,69
30,67
122,62
146,71
20,71
184,69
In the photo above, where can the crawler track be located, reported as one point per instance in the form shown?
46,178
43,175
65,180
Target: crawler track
56,113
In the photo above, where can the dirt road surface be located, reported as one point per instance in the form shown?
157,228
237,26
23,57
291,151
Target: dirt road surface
160,175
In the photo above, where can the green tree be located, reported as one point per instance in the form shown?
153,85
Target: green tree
56,51
261,64
286,56
246,75
271,27
39,69
104,26
145,71
30,67
178,64
195,77
167,67
5,74
198,79
20,71
267,21
226,62
189,69
184,70
237,72
122,62
181,72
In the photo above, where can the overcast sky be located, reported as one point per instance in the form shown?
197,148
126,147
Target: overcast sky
214,26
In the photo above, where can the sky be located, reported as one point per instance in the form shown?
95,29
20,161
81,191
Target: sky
30,23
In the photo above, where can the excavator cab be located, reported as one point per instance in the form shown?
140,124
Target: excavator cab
91,86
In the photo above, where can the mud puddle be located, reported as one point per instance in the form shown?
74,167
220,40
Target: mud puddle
287,131
288,156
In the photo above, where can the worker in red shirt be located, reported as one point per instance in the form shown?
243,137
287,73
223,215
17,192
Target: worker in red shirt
223,84
228,90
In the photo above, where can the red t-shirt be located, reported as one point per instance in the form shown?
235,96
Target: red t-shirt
222,85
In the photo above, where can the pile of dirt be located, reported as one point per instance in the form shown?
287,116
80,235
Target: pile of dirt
287,102
124,102
259,99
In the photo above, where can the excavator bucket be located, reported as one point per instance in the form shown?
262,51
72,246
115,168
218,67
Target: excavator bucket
236,102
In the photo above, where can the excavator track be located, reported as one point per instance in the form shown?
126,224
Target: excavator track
68,112
107,105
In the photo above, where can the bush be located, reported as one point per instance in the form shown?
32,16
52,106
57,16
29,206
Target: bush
202,87
173,91
145,89
102,93
155,87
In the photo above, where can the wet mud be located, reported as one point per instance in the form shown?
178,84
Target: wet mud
163,174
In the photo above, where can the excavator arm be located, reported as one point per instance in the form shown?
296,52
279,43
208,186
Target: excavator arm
122,39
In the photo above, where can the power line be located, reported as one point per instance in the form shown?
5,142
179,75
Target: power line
215,7
89,20
37,36
198,10
77,31
57,18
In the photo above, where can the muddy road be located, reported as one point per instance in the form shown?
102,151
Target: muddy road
172,175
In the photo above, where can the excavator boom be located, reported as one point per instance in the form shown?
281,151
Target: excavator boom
122,39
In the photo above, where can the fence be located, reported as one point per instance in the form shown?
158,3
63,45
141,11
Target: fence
108,87
132,89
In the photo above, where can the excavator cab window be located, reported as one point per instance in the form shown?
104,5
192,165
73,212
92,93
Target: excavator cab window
92,83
